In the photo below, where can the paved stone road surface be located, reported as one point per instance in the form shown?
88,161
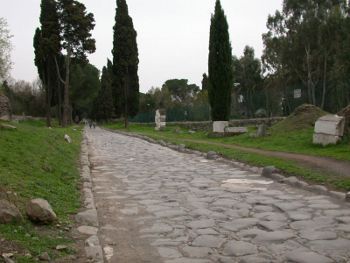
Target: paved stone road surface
159,205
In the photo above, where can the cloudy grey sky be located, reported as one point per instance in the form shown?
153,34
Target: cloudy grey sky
172,34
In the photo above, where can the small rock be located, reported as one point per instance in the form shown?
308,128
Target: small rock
61,247
268,171
9,212
212,155
44,257
39,210
67,138
347,197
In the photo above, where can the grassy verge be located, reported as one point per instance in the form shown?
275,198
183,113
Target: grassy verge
36,162
275,142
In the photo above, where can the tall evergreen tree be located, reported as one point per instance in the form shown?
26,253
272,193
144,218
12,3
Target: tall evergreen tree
125,64
104,106
76,26
220,66
47,47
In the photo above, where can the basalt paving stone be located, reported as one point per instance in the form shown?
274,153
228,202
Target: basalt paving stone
159,205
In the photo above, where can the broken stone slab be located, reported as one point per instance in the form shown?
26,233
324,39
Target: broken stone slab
39,210
88,217
7,127
208,241
9,213
239,248
94,254
236,130
88,230
275,236
307,257
92,241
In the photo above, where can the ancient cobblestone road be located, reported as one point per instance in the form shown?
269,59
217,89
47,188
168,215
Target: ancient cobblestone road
158,205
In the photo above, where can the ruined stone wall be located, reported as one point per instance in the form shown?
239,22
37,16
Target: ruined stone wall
5,108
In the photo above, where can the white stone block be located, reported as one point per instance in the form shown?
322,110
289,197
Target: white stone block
325,139
330,125
219,126
236,130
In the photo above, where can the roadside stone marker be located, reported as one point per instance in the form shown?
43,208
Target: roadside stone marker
219,126
5,108
160,119
329,129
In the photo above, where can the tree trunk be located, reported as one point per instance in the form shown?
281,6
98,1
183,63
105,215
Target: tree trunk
66,108
126,83
324,82
48,101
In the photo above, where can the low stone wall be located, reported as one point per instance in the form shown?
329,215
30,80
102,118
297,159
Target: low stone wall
207,125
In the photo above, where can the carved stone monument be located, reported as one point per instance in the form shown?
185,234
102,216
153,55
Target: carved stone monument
160,119
329,129
5,108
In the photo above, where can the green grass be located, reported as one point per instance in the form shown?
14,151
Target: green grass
296,141
36,162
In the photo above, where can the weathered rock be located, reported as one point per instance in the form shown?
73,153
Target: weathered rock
44,256
239,248
87,230
307,257
67,138
9,212
88,217
212,155
262,130
39,210
346,114
268,171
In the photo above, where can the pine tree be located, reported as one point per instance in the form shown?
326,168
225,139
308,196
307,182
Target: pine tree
125,64
220,66
76,26
47,47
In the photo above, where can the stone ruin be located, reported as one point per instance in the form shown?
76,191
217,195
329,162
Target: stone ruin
329,129
160,119
5,108
346,114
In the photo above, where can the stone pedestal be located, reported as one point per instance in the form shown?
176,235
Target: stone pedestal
220,126
5,108
329,129
160,119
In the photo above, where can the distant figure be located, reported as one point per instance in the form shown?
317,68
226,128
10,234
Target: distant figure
90,124
94,124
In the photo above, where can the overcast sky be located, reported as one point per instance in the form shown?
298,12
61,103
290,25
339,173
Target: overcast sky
173,35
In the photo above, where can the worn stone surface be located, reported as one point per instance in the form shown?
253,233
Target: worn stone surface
155,204
39,210
9,212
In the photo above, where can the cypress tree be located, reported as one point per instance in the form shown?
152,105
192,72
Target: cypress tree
125,64
104,107
220,66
